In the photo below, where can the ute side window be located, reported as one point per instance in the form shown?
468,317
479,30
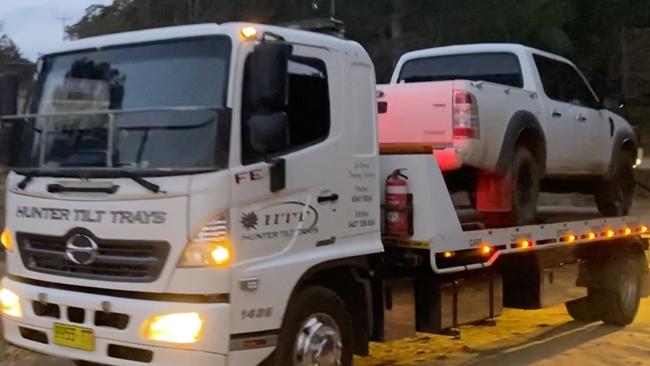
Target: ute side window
308,107
563,83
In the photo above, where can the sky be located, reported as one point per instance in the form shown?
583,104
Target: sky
34,25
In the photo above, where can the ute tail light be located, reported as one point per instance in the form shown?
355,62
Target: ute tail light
465,115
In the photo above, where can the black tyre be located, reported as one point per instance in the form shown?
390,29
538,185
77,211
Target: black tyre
524,175
586,309
614,194
620,306
317,330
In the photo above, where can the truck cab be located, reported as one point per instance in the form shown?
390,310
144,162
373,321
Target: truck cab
171,187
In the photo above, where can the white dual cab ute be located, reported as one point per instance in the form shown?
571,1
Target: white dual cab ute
213,195
505,120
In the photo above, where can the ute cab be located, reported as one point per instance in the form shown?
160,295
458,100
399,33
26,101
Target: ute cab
162,178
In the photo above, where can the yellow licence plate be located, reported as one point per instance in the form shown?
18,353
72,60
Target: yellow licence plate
74,337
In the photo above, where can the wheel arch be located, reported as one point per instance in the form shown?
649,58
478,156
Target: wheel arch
349,279
523,129
624,141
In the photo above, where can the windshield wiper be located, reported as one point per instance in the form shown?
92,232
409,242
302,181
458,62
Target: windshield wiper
153,187
29,176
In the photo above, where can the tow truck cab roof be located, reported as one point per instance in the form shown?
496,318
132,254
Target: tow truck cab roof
209,29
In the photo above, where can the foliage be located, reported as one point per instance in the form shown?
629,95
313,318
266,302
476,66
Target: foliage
584,30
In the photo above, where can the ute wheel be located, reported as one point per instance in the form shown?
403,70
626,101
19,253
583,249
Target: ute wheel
317,330
614,194
620,306
524,175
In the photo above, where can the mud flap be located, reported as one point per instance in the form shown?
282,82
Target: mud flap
493,192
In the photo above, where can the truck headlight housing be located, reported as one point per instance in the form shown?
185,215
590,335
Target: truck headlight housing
184,328
209,247
10,303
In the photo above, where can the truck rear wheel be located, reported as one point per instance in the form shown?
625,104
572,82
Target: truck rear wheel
524,177
614,194
620,306
317,330
617,305
586,309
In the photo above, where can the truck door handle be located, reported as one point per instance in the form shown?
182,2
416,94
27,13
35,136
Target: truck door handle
556,114
58,188
330,198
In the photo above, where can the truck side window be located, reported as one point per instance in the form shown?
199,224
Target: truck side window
563,83
308,107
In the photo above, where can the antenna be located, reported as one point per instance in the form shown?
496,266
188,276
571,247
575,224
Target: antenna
64,21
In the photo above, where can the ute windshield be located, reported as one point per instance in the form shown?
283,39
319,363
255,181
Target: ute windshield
146,107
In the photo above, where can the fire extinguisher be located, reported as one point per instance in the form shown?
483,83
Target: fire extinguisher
398,205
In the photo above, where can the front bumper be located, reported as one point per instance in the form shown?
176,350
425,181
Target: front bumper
210,350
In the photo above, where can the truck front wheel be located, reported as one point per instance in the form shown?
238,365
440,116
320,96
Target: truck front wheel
317,330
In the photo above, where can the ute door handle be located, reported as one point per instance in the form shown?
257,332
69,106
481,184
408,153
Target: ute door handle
581,118
330,198
556,114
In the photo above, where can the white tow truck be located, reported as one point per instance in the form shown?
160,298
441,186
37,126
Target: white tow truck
214,195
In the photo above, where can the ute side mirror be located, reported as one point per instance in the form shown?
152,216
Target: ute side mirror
268,123
613,102
8,106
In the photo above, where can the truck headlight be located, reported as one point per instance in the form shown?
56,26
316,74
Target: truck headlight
10,303
209,247
174,328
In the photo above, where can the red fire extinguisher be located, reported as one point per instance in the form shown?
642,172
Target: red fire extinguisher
398,205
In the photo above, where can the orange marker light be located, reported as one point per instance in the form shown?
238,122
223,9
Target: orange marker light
626,231
590,236
643,229
570,238
448,254
485,249
609,233
525,243
248,32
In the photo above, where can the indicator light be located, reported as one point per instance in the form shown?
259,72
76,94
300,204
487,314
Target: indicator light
7,240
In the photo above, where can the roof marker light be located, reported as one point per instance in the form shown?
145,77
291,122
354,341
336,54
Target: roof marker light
248,32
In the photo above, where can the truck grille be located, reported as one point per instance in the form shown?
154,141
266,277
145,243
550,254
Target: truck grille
116,260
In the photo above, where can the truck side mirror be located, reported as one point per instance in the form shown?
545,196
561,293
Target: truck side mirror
269,76
8,94
269,132
613,102
6,142
8,106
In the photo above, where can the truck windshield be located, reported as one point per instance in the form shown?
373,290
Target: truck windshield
500,68
144,106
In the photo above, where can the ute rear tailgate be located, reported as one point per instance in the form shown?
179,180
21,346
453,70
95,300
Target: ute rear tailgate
417,114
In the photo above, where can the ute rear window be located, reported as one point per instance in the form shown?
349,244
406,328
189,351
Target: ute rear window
500,68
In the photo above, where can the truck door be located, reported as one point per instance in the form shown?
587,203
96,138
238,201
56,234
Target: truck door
303,214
